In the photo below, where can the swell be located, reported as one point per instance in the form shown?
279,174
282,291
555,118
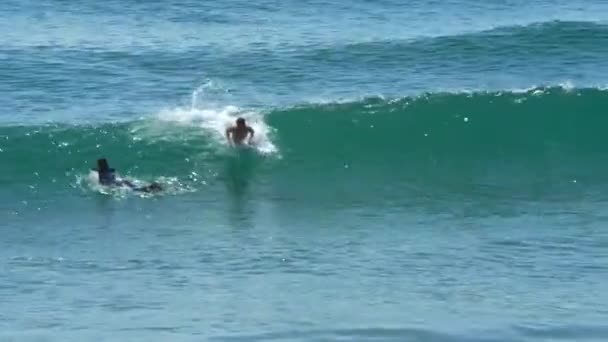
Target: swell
502,45
77,84
546,53
548,136
543,38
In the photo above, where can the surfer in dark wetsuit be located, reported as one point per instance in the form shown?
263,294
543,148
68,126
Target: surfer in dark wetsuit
107,177
237,134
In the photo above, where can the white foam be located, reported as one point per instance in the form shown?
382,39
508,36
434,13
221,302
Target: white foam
567,86
91,182
214,118
523,90
538,92
171,185
216,121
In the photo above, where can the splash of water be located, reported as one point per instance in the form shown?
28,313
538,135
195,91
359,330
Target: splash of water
206,112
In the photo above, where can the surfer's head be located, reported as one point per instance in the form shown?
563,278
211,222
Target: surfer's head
102,165
240,122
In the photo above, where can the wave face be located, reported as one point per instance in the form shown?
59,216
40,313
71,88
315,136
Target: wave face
542,138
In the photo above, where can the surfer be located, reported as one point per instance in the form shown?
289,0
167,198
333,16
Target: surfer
239,132
107,177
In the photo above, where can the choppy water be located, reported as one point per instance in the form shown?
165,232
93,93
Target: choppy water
429,171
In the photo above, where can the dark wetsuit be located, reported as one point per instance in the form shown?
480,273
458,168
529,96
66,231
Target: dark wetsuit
107,177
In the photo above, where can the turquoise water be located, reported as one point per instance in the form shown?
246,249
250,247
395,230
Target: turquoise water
431,171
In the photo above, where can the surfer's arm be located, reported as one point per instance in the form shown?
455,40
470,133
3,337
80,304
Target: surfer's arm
251,133
228,131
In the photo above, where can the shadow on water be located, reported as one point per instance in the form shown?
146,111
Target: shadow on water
105,211
239,173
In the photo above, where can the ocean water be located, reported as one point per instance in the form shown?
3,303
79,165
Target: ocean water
421,171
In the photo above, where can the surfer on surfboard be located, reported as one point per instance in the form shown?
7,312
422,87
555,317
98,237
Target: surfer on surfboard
237,134
107,177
